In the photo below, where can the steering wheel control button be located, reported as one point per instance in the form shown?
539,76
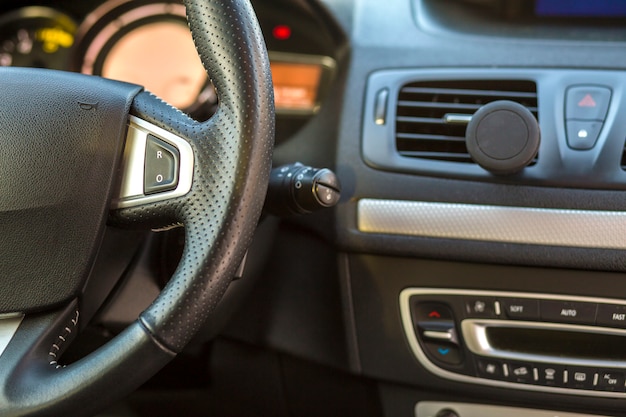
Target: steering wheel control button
521,308
491,369
161,166
146,175
503,137
568,312
480,307
587,103
611,315
444,353
582,135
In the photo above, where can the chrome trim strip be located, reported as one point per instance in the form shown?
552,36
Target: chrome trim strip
533,226
475,335
405,313
457,119
131,191
447,336
8,327
432,408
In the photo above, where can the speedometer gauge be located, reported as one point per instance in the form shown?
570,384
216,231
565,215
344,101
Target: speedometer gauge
36,37
147,43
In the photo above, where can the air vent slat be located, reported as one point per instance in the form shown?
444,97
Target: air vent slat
406,119
458,92
421,137
440,156
432,105
421,128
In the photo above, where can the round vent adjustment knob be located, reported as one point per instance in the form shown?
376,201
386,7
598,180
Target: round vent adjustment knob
503,137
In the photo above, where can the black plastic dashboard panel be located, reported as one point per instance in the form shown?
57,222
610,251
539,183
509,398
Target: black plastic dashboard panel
558,165
384,353
531,19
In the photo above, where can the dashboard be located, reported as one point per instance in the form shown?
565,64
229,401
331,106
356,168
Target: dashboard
474,265
439,246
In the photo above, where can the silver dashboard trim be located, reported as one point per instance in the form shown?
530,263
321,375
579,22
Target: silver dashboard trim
457,119
533,226
431,408
8,326
405,314
131,189
475,334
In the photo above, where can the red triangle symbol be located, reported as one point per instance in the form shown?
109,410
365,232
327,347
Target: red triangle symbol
587,101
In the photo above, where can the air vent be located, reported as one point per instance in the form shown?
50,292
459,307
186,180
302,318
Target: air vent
432,116
623,162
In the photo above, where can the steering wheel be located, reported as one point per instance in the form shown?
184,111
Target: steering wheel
75,146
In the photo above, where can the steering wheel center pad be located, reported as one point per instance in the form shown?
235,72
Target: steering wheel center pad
62,138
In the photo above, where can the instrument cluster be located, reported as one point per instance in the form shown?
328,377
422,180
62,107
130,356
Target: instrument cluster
147,42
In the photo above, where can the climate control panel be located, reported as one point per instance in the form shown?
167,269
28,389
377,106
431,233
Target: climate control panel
523,340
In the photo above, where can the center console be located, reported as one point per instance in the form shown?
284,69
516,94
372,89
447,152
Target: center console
527,341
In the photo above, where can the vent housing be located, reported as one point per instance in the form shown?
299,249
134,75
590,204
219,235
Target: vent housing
421,127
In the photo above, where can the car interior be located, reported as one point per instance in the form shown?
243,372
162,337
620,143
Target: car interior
313,208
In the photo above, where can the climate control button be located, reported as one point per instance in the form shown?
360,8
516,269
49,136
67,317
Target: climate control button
550,375
521,308
488,368
519,372
611,315
444,353
431,311
568,311
610,381
580,378
481,307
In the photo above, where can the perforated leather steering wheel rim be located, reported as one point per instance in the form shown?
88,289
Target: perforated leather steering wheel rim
232,160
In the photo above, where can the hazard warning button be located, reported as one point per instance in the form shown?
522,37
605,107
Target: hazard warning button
587,103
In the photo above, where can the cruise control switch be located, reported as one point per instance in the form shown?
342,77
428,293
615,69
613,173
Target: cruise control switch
161,166
300,189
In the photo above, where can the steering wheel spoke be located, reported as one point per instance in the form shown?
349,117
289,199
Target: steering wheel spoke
157,166
36,383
